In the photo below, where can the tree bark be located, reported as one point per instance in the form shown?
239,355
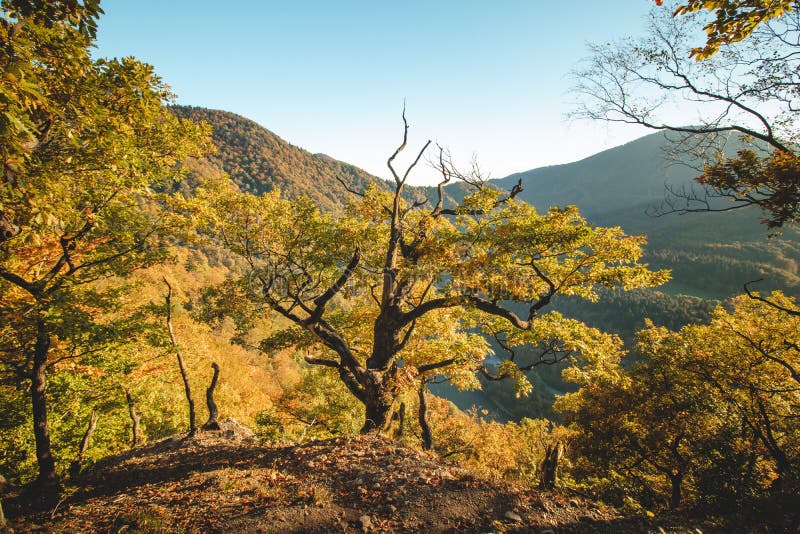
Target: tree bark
186,386
378,395
552,457
377,413
213,412
41,429
427,436
136,437
400,417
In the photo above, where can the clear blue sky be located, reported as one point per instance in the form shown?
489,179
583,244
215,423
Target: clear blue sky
483,77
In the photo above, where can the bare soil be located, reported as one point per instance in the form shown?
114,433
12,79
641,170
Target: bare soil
225,481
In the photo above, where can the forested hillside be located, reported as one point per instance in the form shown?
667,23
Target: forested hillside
624,186
618,187
257,161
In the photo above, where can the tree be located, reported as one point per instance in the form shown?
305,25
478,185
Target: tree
644,424
734,19
89,154
746,89
710,409
187,388
393,290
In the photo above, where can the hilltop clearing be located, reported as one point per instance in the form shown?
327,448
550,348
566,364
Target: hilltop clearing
227,482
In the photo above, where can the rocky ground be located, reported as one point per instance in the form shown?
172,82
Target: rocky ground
225,481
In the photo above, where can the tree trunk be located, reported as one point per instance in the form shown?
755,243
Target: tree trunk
377,417
213,412
378,401
136,434
427,437
400,417
377,413
41,429
675,496
552,457
187,388
75,467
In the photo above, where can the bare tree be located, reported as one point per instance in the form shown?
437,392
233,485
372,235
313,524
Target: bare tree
748,91
186,386
422,415
550,464
76,465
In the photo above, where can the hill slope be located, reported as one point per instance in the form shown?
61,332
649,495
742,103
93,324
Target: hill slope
215,482
257,160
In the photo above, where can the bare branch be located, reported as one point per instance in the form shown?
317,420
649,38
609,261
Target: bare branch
755,296
19,281
435,366
308,358
400,148
348,188
322,301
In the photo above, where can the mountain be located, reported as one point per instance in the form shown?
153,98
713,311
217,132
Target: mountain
258,160
711,254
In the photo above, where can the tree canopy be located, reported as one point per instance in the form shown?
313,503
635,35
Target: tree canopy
705,417
89,154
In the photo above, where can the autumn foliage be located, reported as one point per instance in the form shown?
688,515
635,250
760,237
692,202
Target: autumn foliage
335,314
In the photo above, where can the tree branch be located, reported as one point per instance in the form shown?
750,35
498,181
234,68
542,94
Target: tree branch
322,301
759,298
437,365
400,148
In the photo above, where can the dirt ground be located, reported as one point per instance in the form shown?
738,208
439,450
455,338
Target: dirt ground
225,481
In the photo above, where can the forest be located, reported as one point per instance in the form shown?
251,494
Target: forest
164,268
